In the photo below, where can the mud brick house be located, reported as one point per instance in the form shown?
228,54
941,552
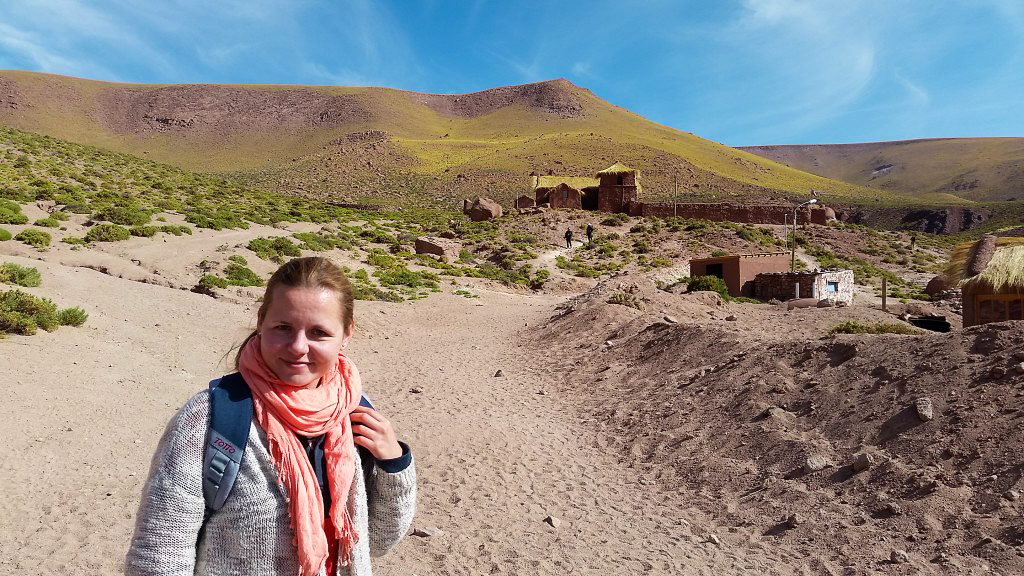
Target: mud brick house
834,284
525,201
739,271
990,274
614,189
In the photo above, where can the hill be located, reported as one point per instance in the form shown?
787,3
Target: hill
939,170
369,144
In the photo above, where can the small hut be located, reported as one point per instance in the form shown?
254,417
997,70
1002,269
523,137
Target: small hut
561,196
990,275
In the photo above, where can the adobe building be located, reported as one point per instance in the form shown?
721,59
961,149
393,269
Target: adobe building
739,271
990,274
560,196
617,189
525,201
834,285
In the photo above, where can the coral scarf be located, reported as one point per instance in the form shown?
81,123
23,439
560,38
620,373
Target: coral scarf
284,411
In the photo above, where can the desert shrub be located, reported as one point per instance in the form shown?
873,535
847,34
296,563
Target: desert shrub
22,313
380,259
314,242
5,235
34,237
11,273
213,281
361,274
854,327
10,213
219,220
74,241
74,316
238,275
143,231
719,253
60,216
274,249
465,293
47,223
107,233
626,299
128,215
538,280
377,236
709,283
238,259
364,291
176,230
617,219
659,262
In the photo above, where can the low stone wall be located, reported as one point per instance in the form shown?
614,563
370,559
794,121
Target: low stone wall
751,214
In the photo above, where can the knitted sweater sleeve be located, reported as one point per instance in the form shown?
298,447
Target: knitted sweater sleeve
392,505
172,507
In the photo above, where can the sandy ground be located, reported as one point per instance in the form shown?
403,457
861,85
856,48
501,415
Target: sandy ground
496,457
612,421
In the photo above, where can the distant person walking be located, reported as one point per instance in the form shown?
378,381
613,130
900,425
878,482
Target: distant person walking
590,233
568,237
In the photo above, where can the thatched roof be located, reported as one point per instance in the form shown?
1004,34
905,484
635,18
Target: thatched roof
577,182
1004,270
615,170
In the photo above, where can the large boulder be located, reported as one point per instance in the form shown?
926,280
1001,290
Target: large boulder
481,209
935,285
438,247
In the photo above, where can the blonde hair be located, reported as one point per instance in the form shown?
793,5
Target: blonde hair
309,272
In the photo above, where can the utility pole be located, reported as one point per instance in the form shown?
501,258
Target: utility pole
792,258
675,195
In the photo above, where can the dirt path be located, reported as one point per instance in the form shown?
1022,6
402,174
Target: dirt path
496,457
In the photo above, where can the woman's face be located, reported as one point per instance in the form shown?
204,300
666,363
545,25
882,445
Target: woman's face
302,334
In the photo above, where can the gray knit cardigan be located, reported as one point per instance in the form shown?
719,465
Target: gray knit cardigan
252,533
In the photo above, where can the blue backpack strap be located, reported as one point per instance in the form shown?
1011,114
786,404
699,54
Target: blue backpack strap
230,418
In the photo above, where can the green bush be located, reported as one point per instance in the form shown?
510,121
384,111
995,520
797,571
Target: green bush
123,215
11,273
107,233
47,223
143,231
854,327
10,213
274,249
74,241
22,313
72,316
213,281
615,219
708,283
238,275
719,253
237,259
626,299
5,235
34,237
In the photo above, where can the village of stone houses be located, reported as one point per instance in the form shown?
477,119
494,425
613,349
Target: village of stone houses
690,359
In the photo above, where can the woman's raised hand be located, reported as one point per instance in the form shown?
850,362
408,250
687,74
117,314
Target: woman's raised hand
375,433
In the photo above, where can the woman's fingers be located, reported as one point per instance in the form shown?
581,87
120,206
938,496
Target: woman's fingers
375,433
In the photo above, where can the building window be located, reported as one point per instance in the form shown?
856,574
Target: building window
714,270
619,180
565,194
831,286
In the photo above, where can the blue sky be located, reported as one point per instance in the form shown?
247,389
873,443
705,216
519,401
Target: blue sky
740,72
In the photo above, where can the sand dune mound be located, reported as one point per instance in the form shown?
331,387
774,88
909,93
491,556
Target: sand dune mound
765,424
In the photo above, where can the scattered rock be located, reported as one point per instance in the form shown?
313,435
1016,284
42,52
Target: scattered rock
731,318
893,509
924,409
1019,368
899,557
863,461
542,392
826,303
499,374
1019,354
671,320
416,390
426,532
481,209
553,522
438,247
714,539
794,520
998,372
815,463
1011,495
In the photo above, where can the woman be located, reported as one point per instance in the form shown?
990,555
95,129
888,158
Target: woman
323,483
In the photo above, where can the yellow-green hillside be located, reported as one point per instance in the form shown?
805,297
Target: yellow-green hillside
373,143
942,170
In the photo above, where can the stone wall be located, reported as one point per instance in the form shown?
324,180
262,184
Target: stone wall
751,214
782,285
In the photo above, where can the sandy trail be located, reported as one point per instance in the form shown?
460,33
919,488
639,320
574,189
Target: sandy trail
85,408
